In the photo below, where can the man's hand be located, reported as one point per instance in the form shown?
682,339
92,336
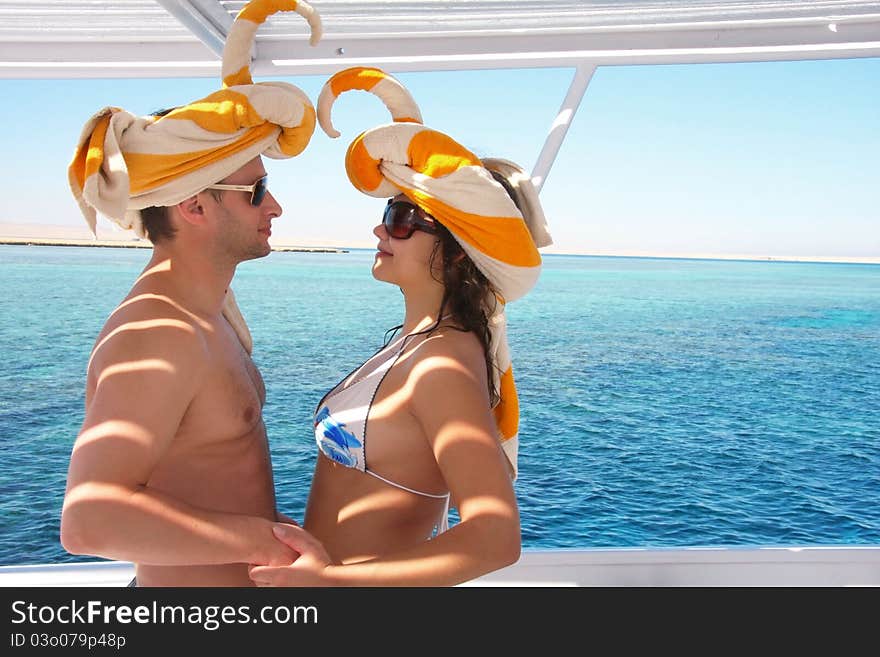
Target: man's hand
313,567
270,551
280,517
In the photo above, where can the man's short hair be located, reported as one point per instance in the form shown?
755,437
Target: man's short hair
156,220
157,224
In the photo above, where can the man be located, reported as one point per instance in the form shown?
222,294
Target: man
171,469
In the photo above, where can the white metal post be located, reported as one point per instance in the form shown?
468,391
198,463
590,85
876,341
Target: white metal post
207,20
582,76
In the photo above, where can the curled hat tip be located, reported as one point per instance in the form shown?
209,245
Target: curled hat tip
236,52
388,89
314,20
325,102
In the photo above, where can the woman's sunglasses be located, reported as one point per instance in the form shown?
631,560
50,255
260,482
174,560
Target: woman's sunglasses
258,189
402,219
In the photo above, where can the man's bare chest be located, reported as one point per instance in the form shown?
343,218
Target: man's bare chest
230,400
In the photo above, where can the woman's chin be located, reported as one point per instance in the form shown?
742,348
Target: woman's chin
380,273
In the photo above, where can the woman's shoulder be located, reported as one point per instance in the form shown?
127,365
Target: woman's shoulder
449,343
447,365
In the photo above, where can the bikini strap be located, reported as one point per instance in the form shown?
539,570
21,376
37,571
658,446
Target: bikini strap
409,490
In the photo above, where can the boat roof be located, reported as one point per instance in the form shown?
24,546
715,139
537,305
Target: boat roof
184,38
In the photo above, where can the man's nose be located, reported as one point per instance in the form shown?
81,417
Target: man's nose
274,206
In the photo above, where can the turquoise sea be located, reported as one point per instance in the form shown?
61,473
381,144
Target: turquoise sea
665,402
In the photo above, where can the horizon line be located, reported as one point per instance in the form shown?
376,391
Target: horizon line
330,247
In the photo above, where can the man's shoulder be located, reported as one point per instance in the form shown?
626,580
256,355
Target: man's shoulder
150,326
141,306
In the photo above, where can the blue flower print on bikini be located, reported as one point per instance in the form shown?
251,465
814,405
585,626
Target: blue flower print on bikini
337,442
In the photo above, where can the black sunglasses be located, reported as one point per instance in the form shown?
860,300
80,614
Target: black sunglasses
402,219
258,189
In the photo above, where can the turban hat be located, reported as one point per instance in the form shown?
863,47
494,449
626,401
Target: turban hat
124,163
458,189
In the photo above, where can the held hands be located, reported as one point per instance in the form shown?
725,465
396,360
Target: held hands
278,553
313,567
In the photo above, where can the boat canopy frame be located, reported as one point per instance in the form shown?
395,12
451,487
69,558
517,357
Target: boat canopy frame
64,39
184,38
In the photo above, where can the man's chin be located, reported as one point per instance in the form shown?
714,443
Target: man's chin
257,253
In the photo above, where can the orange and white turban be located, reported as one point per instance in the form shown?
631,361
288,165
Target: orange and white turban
457,188
124,163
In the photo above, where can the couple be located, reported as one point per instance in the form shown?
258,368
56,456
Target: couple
171,469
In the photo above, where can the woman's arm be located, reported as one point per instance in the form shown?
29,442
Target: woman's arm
448,397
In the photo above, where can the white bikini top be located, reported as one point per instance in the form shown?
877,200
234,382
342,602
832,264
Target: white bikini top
342,417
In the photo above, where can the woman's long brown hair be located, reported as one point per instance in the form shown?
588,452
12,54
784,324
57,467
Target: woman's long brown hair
468,296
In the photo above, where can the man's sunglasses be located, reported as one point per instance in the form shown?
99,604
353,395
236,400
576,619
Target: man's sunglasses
258,189
402,219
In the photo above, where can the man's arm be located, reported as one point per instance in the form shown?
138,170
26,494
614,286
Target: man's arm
146,373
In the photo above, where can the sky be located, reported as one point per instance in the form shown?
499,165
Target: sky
771,159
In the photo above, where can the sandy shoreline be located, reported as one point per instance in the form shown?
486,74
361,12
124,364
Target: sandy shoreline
139,244
144,244
844,260
56,235
59,235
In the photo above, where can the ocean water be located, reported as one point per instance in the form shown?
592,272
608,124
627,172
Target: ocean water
665,402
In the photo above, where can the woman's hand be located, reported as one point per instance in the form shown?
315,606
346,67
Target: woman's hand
313,567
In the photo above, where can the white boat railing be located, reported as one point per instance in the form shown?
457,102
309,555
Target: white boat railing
785,566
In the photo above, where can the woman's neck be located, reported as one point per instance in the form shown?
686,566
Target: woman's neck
422,309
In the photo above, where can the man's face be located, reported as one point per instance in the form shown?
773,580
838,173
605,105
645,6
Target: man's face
243,230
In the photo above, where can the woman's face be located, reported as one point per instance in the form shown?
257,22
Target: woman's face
404,262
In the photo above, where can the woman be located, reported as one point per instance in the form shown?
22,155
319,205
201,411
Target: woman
432,416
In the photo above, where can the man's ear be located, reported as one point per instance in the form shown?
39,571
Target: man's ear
192,211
